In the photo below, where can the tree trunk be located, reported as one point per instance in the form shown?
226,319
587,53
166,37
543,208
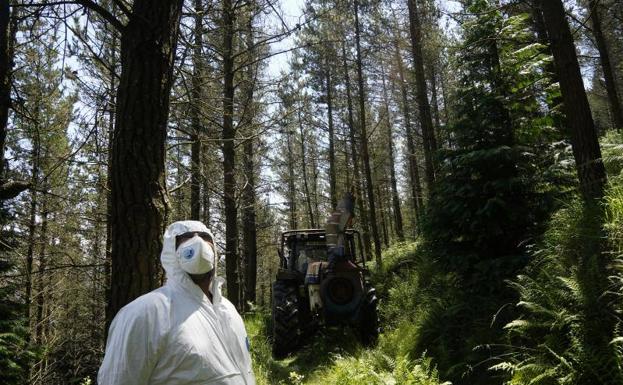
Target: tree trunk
426,121
550,67
316,206
413,167
32,227
41,286
606,65
291,187
111,130
249,223
8,29
356,173
32,223
364,143
5,77
382,215
344,148
205,198
249,229
179,195
332,178
195,109
229,157
397,214
139,199
310,211
390,209
435,102
586,151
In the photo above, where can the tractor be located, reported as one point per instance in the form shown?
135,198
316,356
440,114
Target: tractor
322,282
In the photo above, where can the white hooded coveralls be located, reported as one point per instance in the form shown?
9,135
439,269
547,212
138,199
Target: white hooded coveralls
174,335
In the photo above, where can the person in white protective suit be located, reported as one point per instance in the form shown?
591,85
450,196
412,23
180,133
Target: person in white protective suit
185,332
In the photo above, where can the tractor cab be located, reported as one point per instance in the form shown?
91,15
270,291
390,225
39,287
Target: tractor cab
299,248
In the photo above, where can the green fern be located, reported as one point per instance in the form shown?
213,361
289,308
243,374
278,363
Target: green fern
564,335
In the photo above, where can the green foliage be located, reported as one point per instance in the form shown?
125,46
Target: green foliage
485,201
15,353
366,370
612,154
497,184
425,310
567,332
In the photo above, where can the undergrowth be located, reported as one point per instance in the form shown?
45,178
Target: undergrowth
334,357
569,330
564,329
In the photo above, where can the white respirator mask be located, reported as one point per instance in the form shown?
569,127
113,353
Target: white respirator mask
196,256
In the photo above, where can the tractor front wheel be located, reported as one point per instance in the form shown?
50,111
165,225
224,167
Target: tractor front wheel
286,325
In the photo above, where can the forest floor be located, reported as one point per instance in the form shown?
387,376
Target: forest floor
309,365
334,357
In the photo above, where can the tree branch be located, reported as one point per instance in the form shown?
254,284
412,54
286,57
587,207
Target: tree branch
103,12
12,189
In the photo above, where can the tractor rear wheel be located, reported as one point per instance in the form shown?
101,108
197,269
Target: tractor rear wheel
286,324
369,319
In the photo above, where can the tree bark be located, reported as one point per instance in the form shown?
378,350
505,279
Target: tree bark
112,87
195,108
397,214
249,229
139,199
205,197
382,215
435,102
426,121
35,169
586,151
5,77
316,174
364,143
229,157
332,177
606,65
30,252
291,187
8,29
550,67
310,211
41,286
356,172
249,223
413,167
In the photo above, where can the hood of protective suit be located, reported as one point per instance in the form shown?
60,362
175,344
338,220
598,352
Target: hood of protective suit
171,264
168,257
175,334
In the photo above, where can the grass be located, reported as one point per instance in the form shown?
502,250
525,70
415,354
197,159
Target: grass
335,357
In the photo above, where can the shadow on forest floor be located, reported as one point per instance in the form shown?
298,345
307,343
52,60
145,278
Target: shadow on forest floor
304,365
323,349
